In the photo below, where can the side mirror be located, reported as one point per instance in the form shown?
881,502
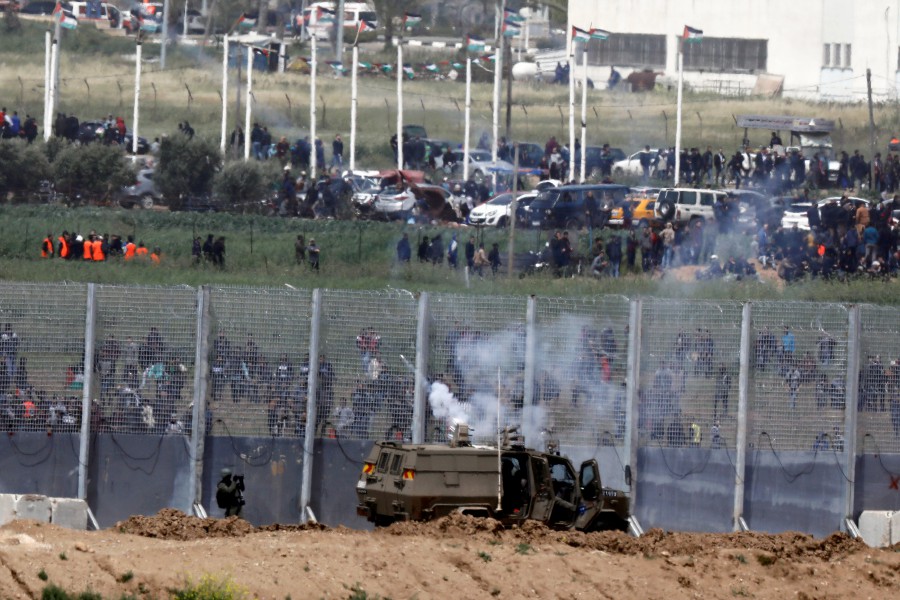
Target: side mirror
628,475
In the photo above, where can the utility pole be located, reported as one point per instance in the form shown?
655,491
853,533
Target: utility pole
872,142
339,36
513,206
508,64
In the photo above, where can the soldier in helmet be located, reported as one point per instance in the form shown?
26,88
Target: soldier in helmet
229,493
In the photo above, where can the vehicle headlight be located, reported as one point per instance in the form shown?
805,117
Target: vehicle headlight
547,212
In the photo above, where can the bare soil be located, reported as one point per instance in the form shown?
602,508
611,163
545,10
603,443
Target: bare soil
455,557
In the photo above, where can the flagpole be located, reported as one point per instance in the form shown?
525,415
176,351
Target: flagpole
678,112
225,96
400,100
572,65
165,35
57,35
353,105
584,87
48,44
468,123
248,109
312,111
498,79
135,120
54,59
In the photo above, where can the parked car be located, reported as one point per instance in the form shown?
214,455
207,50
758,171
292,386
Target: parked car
593,160
566,206
496,211
143,193
686,205
797,213
643,207
480,164
88,131
631,165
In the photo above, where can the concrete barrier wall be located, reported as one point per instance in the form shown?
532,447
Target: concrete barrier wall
65,512
877,483
137,475
794,491
337,469
35,463
686,489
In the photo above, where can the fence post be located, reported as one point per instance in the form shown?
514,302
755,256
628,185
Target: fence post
420,400
88,372
530,358
201,380
740,463
632,379
309,438
850,410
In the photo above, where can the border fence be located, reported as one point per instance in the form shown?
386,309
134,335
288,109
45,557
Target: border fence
718,392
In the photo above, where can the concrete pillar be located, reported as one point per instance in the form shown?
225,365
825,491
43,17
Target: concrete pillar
309,439
632,379
850,410
740,465
201,381
530,358
420,400
88,366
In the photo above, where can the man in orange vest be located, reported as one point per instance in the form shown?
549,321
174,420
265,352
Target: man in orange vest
155,255
141,250
88,253
47,246
129,248
97,251
62,250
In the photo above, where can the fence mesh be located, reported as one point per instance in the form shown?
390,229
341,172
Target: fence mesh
878,420
367,357
477,349
798,376
41,356
582,354
143,363
690,361
258,361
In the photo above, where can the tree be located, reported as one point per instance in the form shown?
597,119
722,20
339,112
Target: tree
95,171
22,167
388,10
241,185
186,167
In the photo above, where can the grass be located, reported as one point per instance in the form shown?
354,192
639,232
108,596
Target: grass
210,587
484,556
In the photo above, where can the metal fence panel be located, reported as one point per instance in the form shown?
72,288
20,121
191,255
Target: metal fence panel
582,355
690,362
145,342
258,351
798,376
366,364
477,348
41,350
878,421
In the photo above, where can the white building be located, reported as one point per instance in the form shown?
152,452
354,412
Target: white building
821,48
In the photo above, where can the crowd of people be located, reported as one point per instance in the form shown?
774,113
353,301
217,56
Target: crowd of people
94,247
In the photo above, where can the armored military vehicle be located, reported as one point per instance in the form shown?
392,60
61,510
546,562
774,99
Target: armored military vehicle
419,482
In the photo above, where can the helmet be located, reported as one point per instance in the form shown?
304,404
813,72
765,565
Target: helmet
225,472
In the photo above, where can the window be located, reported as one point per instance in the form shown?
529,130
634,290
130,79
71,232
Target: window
729,55
847,55
826,55
395,464
383,461
707,199
689,198
630,50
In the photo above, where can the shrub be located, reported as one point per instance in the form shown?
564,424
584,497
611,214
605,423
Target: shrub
186,167
242,184
22,166
210,588
95,170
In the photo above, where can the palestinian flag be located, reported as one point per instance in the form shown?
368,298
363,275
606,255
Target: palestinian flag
474,43
66,19
149,25
408,71
580,35
261,52
387,68
337,65
599,34
365,65
511,15
366,26
325,15
432,67
457,66
411,19
511,28
247,21
692,35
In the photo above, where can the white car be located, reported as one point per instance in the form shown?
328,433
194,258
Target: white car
480,164
795,214
495,212
394,203
631,166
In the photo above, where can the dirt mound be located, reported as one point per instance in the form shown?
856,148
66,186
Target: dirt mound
172,524
454,525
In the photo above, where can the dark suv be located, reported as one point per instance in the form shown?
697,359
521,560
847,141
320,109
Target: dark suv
567,206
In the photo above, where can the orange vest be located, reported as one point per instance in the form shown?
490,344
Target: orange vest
63,247
141,251
98,251
47,248
88,246
129,250
154,257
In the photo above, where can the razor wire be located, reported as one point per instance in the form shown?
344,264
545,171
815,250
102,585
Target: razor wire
878,417
582,355
366,371
41,356
476,365
798,376
688,380
143,360
258,354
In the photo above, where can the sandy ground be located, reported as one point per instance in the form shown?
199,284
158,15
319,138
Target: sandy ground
457,557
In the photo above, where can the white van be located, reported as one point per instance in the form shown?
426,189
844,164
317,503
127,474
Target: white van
105,15
354,12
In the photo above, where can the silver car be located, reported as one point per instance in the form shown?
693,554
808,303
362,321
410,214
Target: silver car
143,193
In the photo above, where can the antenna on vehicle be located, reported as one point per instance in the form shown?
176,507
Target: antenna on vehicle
499,447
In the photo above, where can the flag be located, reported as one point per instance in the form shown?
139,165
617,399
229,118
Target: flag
411,19
432,67
247,20
474,43
366,26
66,19
387,68
337,65
511,28
457,66
511,15
599,34
580,35
261,52
148,25
325,15
365,65
408,71
692,35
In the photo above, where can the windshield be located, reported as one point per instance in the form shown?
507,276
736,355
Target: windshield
479,155
501,200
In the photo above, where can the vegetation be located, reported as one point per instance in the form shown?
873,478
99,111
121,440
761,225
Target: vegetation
186,168
210,588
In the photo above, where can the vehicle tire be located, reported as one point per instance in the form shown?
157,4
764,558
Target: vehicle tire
145,202
502,222
666,210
